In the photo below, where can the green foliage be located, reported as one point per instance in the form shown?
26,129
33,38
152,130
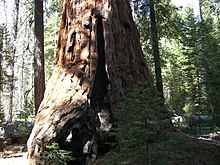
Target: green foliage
141,119
142,111
189,64
167,25
210,40
189,50
186,65
141,141
53,155
166,18
26,114
52,19
18,129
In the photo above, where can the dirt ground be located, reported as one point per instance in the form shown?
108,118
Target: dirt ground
177,149
19,159
14,154
197,151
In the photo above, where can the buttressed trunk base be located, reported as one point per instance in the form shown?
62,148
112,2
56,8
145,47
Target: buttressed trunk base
99,60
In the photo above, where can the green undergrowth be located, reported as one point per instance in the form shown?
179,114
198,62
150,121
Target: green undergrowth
140,123
53,155
145,136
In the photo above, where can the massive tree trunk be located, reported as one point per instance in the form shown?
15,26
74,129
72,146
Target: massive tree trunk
99,60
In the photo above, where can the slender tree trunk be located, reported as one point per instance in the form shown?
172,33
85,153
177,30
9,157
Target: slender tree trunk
6,75
98,61
1,68
10,52
21,83
14,49
155,43
39,75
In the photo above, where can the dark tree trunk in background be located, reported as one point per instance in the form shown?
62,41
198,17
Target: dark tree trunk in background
155,43
99,60
39,75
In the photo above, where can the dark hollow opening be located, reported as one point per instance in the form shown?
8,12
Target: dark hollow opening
86,138
101,81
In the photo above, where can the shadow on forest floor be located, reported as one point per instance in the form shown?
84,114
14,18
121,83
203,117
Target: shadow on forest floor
178,149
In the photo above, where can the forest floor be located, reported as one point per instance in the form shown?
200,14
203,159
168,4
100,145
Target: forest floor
185,151
178,149
14,154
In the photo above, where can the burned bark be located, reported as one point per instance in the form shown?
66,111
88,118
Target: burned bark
99,60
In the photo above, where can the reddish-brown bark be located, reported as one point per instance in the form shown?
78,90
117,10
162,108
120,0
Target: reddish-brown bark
39,75
99,60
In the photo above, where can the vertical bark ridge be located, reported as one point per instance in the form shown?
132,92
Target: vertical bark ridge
67,95
123,54
97,64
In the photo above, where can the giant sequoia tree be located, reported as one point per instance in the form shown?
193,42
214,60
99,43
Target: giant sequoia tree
98,61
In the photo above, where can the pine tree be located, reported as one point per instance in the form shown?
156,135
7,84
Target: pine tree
210,52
